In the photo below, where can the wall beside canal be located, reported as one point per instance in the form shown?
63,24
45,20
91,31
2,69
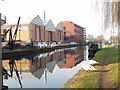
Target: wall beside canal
20,53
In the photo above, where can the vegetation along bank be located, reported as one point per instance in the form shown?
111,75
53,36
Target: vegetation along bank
106,75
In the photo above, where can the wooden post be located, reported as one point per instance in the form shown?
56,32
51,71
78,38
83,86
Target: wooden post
1,78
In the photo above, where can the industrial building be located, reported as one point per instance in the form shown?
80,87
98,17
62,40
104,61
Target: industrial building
32,29
29,29
73,32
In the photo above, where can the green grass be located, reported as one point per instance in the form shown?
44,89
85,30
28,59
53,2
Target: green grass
113,74
101,54
111,54
92,79
89,80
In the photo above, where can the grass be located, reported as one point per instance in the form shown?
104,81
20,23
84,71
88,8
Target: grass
112,53
113,74
89,80
92,79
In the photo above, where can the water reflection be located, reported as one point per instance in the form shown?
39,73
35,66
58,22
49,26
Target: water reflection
45,70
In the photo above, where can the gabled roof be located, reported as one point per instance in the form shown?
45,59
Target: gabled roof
50,26
37,20
29,19
59,27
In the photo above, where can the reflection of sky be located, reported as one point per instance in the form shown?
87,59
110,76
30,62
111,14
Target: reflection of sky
54,80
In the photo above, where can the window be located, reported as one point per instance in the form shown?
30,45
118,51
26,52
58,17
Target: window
77,34
64,28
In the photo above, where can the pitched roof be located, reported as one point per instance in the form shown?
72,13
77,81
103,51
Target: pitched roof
50,26
37,20
59,27
29,19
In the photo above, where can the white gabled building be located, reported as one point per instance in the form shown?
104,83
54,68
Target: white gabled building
50,31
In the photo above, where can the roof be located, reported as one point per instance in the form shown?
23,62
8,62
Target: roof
59,27
50,26
29,19
66,22
70,22
37,20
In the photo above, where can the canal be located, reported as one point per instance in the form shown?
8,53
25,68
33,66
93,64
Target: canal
45,70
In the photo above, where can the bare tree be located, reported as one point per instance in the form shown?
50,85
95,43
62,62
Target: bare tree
100,38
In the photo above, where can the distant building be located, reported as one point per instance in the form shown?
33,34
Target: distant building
90,38
73,32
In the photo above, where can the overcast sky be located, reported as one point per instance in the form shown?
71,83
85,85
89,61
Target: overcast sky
77,11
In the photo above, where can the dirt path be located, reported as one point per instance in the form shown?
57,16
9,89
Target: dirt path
104,81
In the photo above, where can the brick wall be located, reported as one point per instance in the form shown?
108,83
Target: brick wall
73,31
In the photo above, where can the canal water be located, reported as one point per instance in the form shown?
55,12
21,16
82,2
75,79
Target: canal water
45,70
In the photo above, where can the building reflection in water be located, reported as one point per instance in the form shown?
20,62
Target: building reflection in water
35,67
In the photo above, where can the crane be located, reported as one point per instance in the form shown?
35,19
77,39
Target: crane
12,39
4,35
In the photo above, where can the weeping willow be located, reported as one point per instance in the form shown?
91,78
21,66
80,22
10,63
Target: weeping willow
110,14
110,11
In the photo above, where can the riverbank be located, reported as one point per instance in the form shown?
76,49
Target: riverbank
106,75
6,54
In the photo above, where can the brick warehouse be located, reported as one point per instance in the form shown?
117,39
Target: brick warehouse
29,29
73,32
34,30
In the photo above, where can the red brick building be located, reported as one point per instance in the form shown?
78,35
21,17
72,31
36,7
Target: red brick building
73,32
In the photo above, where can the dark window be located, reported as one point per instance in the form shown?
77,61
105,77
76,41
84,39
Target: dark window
64,28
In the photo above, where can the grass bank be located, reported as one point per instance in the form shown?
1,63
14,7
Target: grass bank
107,57
89,80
